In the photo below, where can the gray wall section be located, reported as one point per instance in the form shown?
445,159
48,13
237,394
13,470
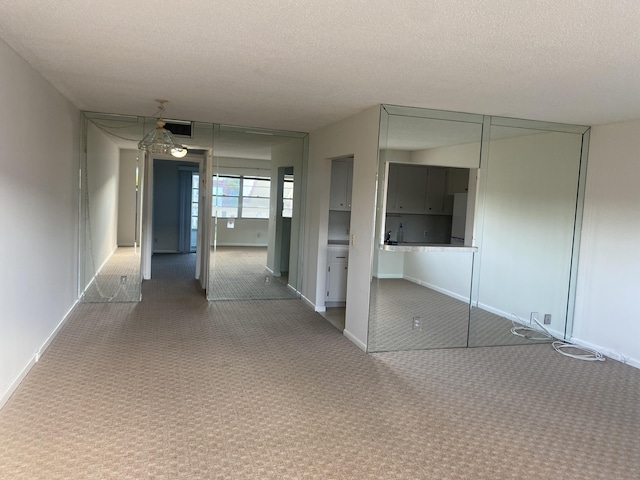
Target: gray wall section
166,204
127,198
102,172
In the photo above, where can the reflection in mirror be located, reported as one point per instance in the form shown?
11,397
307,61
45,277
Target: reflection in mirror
338,234
423,256
511,220
110,210
523,266
256,214
423,303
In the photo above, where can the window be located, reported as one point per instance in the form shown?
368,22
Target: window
255,197
226,195
236,196
287,197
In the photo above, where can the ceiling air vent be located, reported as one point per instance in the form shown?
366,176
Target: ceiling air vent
179,128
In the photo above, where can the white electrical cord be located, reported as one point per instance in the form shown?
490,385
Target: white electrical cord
590,355
559,346
530,333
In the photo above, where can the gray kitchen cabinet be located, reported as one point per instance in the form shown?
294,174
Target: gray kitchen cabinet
337,270
341,181
436,184
416,189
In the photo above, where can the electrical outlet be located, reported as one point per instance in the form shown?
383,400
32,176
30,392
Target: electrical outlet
417,323
123,279
267,279
426,234
535,317
547,318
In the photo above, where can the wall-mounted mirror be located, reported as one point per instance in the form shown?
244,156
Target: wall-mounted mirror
423,253
256,216
110,209
476,230
530,195
228,218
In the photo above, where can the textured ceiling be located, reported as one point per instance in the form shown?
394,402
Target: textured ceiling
299,65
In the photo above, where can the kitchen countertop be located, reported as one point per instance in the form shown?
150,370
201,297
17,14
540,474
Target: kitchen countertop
426,247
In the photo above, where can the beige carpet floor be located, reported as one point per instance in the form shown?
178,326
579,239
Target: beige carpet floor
445,322
109,286
239,273
178,388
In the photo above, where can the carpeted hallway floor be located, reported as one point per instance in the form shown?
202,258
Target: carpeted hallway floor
178,388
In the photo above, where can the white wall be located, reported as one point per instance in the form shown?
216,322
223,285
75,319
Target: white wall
445,272
102,172
127,197
606,314
246,232
462,156
40,135
388,264
357,136
526,237
287,154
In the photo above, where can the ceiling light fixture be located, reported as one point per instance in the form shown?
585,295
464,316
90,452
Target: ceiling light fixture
160,140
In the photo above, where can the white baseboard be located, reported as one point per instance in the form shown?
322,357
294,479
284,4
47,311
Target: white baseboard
523,321
14,385
387,275
55,332
438,289
97,273
607,352
316,308
361,345
34,359
335,304
495,311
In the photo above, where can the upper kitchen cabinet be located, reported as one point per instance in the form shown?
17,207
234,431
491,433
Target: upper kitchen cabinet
341,181
416,189
407,185
436,185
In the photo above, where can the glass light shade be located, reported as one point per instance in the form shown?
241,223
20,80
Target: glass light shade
179,152
161,141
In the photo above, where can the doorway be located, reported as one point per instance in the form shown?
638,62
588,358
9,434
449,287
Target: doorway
339,230
175,218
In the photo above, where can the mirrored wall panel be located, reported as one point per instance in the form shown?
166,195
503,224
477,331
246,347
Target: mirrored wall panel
525,248
423,252
256,214
476,230
225,211
110,209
